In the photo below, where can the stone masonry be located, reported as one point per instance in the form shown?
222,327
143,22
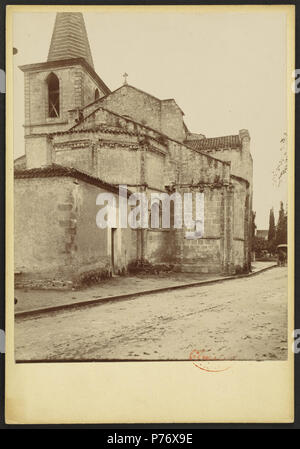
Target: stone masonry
96,140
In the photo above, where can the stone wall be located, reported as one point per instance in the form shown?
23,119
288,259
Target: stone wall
38,149
187,166
154,170
80,157
172,120
36,99
134,158
42,210
77,89
119,165
159,246
240,158
134,104
241,223
164,116
62,244
241,161
88,89
201,256
204,255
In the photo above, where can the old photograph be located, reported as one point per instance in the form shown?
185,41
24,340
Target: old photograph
150,186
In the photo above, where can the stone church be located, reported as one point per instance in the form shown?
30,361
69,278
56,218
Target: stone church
82,139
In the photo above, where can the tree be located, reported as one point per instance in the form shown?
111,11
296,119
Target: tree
280,172
272,229
271,232
259,244
281,228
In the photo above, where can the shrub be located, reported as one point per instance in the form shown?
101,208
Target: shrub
92,277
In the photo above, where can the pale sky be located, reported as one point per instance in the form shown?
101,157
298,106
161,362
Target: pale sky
226,71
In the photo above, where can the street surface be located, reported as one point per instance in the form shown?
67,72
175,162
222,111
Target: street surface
241,319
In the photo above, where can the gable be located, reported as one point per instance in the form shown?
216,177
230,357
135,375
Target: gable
134,104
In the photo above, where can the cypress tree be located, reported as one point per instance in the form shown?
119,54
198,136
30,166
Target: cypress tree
271,232
272,229
281,228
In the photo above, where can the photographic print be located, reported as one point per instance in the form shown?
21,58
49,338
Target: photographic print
150,210
150,186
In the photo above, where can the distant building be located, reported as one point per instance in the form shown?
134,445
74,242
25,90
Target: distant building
262,233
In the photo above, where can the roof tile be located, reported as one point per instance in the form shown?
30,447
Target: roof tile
215,143
56,170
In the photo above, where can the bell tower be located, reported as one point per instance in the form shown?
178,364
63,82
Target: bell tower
66,81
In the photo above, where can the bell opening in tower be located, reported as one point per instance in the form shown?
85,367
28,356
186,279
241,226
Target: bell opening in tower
53,95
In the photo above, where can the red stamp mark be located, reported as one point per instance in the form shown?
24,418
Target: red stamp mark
198,356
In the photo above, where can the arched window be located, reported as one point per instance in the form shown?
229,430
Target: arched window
97,94
53,95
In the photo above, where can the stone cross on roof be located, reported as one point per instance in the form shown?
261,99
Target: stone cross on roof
69,38
125,75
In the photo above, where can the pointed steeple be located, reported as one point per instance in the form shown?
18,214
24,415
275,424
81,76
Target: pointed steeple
69,38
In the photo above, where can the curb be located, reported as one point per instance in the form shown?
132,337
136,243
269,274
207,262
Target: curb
106,299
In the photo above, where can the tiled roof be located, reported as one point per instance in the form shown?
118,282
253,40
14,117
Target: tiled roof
69,38
56,170
215,143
